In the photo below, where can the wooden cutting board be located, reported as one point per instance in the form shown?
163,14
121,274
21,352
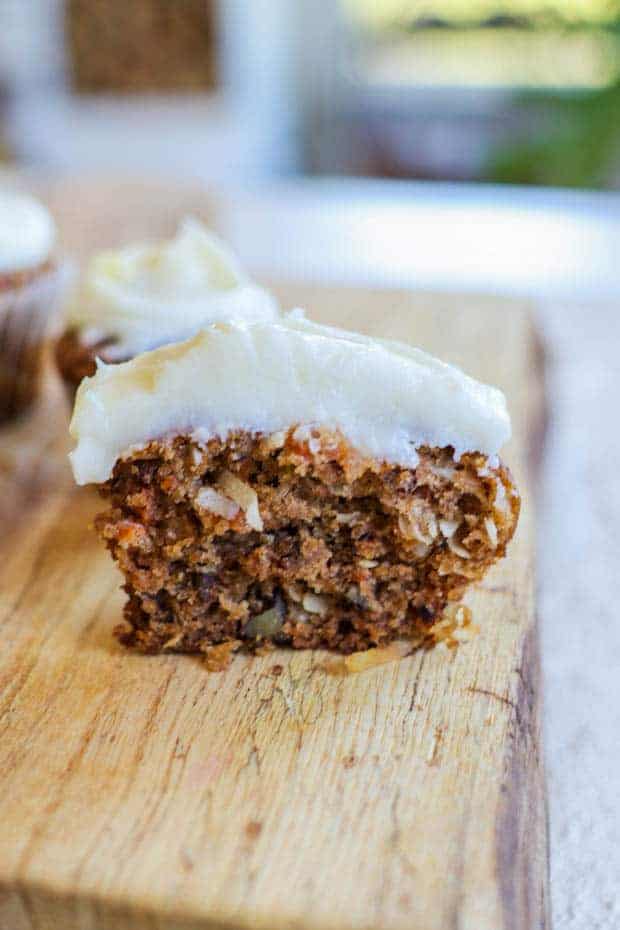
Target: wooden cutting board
145,792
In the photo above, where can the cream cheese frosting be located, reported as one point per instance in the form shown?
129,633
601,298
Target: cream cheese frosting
148,295
385,397
27,232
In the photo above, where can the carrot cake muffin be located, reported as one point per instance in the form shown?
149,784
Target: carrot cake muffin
148,295
291,483
29,290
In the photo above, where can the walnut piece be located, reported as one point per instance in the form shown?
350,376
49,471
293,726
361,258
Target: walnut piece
420,523
243,495
315,604
212,500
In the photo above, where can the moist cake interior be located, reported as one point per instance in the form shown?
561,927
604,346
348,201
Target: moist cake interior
295,538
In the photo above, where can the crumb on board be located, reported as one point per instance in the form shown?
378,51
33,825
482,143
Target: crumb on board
253,829
218,658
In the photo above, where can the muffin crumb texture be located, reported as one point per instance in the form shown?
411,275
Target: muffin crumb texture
295,539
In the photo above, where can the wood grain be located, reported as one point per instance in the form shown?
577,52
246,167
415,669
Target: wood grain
143,792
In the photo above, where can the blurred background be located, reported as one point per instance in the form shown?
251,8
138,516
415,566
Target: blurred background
516,91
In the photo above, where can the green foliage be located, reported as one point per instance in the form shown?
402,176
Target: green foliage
571,140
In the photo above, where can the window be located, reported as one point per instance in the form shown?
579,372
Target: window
515,90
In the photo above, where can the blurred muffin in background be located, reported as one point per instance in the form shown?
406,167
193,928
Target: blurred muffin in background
148,295
31,281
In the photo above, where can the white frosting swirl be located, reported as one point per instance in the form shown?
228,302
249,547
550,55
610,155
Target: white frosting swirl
27,232
149,295
387,398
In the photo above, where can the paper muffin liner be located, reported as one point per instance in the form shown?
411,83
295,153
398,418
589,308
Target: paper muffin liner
26,317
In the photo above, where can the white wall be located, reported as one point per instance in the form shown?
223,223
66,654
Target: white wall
254,127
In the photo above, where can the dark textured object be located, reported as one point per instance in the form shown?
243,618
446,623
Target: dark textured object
142,45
